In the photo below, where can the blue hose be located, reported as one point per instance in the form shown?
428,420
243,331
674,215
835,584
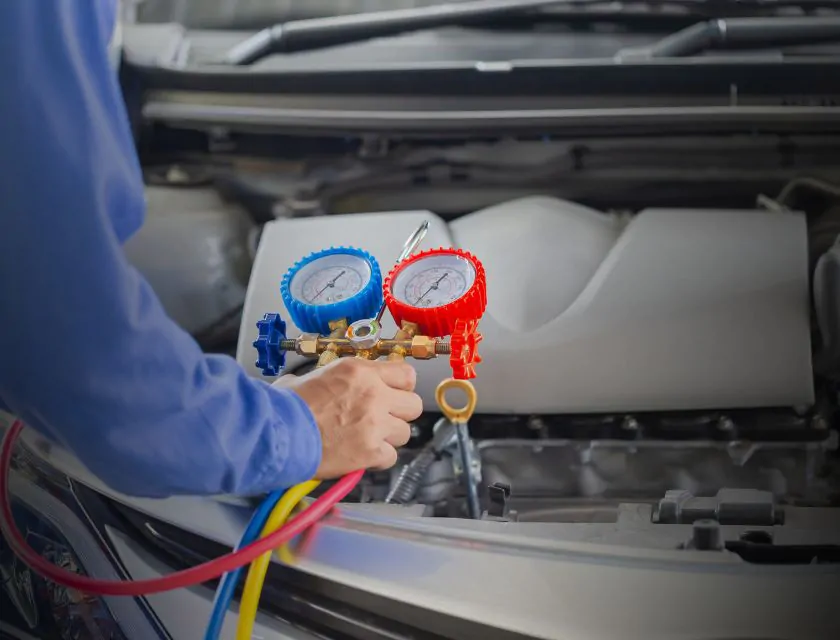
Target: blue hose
226,588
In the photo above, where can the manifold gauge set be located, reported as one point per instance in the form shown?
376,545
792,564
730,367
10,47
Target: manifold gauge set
337,297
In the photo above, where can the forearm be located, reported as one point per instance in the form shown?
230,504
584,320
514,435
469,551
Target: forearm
88,355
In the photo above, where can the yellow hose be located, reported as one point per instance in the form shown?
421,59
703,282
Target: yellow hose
250,602
285,553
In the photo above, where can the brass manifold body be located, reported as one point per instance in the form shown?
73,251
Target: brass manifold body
362,340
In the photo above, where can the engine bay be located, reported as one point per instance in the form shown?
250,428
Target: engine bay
636,360
622,358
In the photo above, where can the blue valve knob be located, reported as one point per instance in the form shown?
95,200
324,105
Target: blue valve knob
332,284
271,358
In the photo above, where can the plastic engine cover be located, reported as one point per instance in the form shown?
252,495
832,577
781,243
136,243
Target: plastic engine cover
675,309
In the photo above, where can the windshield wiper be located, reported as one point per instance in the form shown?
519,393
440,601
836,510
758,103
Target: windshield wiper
739,33
317,33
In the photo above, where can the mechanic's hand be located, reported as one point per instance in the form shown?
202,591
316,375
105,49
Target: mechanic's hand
362,408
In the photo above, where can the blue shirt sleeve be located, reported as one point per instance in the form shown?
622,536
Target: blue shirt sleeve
88,356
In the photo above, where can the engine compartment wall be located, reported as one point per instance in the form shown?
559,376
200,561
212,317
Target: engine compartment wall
675,309
193,250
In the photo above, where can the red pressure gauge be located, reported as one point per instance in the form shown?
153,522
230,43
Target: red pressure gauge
443,292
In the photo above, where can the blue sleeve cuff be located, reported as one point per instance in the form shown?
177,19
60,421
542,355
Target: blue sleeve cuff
297,443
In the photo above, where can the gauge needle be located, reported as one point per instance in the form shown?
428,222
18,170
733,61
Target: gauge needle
331,283
432,288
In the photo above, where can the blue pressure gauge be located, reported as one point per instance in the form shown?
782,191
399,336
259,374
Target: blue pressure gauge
333,284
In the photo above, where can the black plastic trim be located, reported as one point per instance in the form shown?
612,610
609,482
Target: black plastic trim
712,119
658,77
691,95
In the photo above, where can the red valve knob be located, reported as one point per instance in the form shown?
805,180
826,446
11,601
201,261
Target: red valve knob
435,289
463,355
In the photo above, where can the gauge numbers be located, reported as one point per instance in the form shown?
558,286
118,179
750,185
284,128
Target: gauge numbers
330,279
434,281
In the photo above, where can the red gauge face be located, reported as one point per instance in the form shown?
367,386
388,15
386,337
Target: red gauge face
436,288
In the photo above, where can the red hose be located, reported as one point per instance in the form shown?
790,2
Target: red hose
186,578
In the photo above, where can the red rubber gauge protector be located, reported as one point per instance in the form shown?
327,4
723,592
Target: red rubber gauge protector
438,321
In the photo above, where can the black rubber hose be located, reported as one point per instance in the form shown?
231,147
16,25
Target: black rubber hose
319,33
755,32
473,504
411,475
826,287
408,482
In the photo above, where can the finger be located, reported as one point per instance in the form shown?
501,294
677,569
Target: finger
397,375
386,459
405,405
398,432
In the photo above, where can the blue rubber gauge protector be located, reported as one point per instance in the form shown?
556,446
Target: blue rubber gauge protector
333,284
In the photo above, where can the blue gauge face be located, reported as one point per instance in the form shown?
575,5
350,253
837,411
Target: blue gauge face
330,279
339,283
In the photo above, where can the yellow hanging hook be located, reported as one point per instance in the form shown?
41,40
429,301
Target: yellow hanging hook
452,414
